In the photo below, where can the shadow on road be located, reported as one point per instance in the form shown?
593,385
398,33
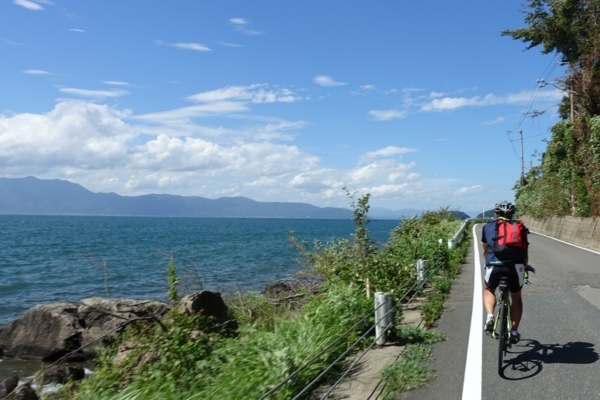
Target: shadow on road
531,355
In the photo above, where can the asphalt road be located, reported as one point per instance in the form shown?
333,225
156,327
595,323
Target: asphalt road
558,356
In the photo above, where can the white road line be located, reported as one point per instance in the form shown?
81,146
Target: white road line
473,369
570,244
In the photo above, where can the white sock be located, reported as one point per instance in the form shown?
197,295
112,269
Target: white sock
512,332
490,317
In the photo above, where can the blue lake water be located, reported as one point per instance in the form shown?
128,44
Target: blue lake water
44,259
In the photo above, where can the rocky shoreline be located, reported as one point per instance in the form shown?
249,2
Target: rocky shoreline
62,335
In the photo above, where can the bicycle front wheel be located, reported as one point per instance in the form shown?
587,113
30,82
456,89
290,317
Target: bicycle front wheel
502,336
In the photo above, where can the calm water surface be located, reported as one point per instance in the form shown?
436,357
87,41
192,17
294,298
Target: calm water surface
44,259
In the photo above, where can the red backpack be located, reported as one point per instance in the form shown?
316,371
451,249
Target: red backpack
511,240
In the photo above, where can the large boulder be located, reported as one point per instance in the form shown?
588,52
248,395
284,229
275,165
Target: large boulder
22,392
101,318
8,385
209,304
52,331
62,374
44,331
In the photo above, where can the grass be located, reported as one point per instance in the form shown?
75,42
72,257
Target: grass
276,337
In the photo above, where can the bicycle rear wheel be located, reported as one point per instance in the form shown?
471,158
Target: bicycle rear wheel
502,336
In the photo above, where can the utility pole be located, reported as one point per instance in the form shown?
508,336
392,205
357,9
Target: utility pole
572,166
520,132
542,83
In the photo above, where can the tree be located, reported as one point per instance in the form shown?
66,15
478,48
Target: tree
572,29
569,27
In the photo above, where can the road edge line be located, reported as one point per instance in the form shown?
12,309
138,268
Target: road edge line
570,244
472,382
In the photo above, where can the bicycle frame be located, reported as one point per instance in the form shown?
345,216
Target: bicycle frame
502,322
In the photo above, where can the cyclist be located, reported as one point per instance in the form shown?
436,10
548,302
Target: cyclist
496,269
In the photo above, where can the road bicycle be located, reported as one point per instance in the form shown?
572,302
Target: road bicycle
502,321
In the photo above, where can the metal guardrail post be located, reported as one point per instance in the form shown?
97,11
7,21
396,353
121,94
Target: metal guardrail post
421,268
383,315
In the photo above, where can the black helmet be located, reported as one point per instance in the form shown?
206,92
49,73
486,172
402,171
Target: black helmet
504,208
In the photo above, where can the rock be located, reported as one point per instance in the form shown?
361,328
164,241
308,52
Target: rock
45,331
63,374
101,316
8,385
22,392
209,304
51,331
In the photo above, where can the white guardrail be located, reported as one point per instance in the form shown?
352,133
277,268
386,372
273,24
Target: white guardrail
452,242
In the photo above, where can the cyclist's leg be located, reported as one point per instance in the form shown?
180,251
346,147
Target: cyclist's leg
516,284
489,295
516,309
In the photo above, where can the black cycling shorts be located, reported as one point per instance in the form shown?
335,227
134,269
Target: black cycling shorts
514,272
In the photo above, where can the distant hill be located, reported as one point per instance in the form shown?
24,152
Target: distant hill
459,215
58,197
486,214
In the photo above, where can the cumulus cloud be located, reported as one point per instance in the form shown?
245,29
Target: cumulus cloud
111,150
98,94
387,115
77,30
185,46
327,81
367,87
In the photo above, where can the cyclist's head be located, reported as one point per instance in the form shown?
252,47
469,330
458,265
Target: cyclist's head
504,209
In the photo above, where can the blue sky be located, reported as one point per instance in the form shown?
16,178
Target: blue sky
276,101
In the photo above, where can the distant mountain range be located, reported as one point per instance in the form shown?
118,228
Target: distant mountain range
35,196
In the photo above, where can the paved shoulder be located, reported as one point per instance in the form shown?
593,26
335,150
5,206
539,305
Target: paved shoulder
449,356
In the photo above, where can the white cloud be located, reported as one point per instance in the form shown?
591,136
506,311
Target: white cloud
241,25
191,46
117,83
227,44
111,150
9,42
521,98
498,120
184,46
327,81
253,93
386,170
98,94
367,87
30,5
198,111
391,91
389,151
36,72
77,30
464,191
387,115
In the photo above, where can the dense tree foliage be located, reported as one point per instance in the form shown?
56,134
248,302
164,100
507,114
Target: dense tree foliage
568,179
